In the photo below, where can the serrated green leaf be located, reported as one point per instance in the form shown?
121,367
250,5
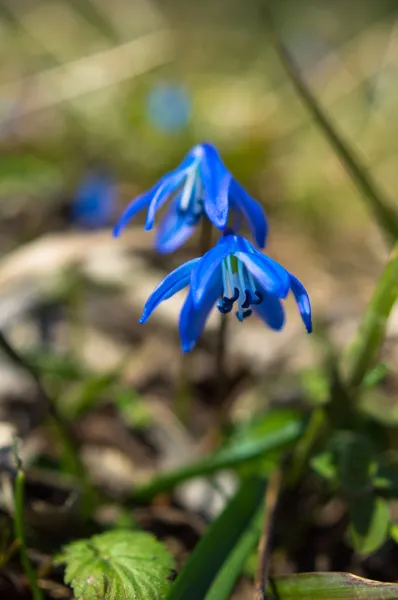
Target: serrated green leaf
369,524
118,565
330,586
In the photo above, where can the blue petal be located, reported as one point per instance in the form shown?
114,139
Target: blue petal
216,180
303,301
209,266
173,230
252,211
271,311
271,275
166,188
173,283
193,317
133,208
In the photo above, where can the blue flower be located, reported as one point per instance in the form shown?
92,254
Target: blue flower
232,273
169,107
94,200
200,185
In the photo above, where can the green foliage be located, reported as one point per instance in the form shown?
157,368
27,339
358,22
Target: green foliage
118,565
369,524
350,464
237,559
330,586
220,546
280,434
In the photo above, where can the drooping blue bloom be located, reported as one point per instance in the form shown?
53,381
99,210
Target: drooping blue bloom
200,185
94,201
169,107
232,273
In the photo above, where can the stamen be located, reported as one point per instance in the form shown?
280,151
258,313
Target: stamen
188,187
241,315
224,308
248,299
234,297
244,289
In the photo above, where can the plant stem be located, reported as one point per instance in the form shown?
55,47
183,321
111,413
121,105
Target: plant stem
271,498
221,373
19,528
183,388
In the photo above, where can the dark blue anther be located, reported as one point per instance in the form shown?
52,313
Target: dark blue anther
244,314
247,313
248,299
224,308
234,297
259,298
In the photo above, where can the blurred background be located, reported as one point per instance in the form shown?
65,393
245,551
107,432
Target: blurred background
108,96
88,91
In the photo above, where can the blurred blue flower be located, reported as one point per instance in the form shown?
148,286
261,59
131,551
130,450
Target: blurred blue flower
169,107
94,200
200,185
234,271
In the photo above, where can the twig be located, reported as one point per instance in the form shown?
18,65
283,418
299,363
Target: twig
19,527
264,549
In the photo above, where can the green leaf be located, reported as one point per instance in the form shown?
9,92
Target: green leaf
323,464
363,353
84,395
218,543
347,461
353,459
369,524
118,565
375,376
230,457
394,532
234,565
330,586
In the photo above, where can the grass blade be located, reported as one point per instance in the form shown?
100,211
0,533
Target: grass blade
233,566
227,458
213,549
362,355
385,215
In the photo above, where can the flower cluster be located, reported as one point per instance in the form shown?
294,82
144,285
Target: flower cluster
234,273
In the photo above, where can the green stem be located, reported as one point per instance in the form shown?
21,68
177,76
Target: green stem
19,528
386,216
